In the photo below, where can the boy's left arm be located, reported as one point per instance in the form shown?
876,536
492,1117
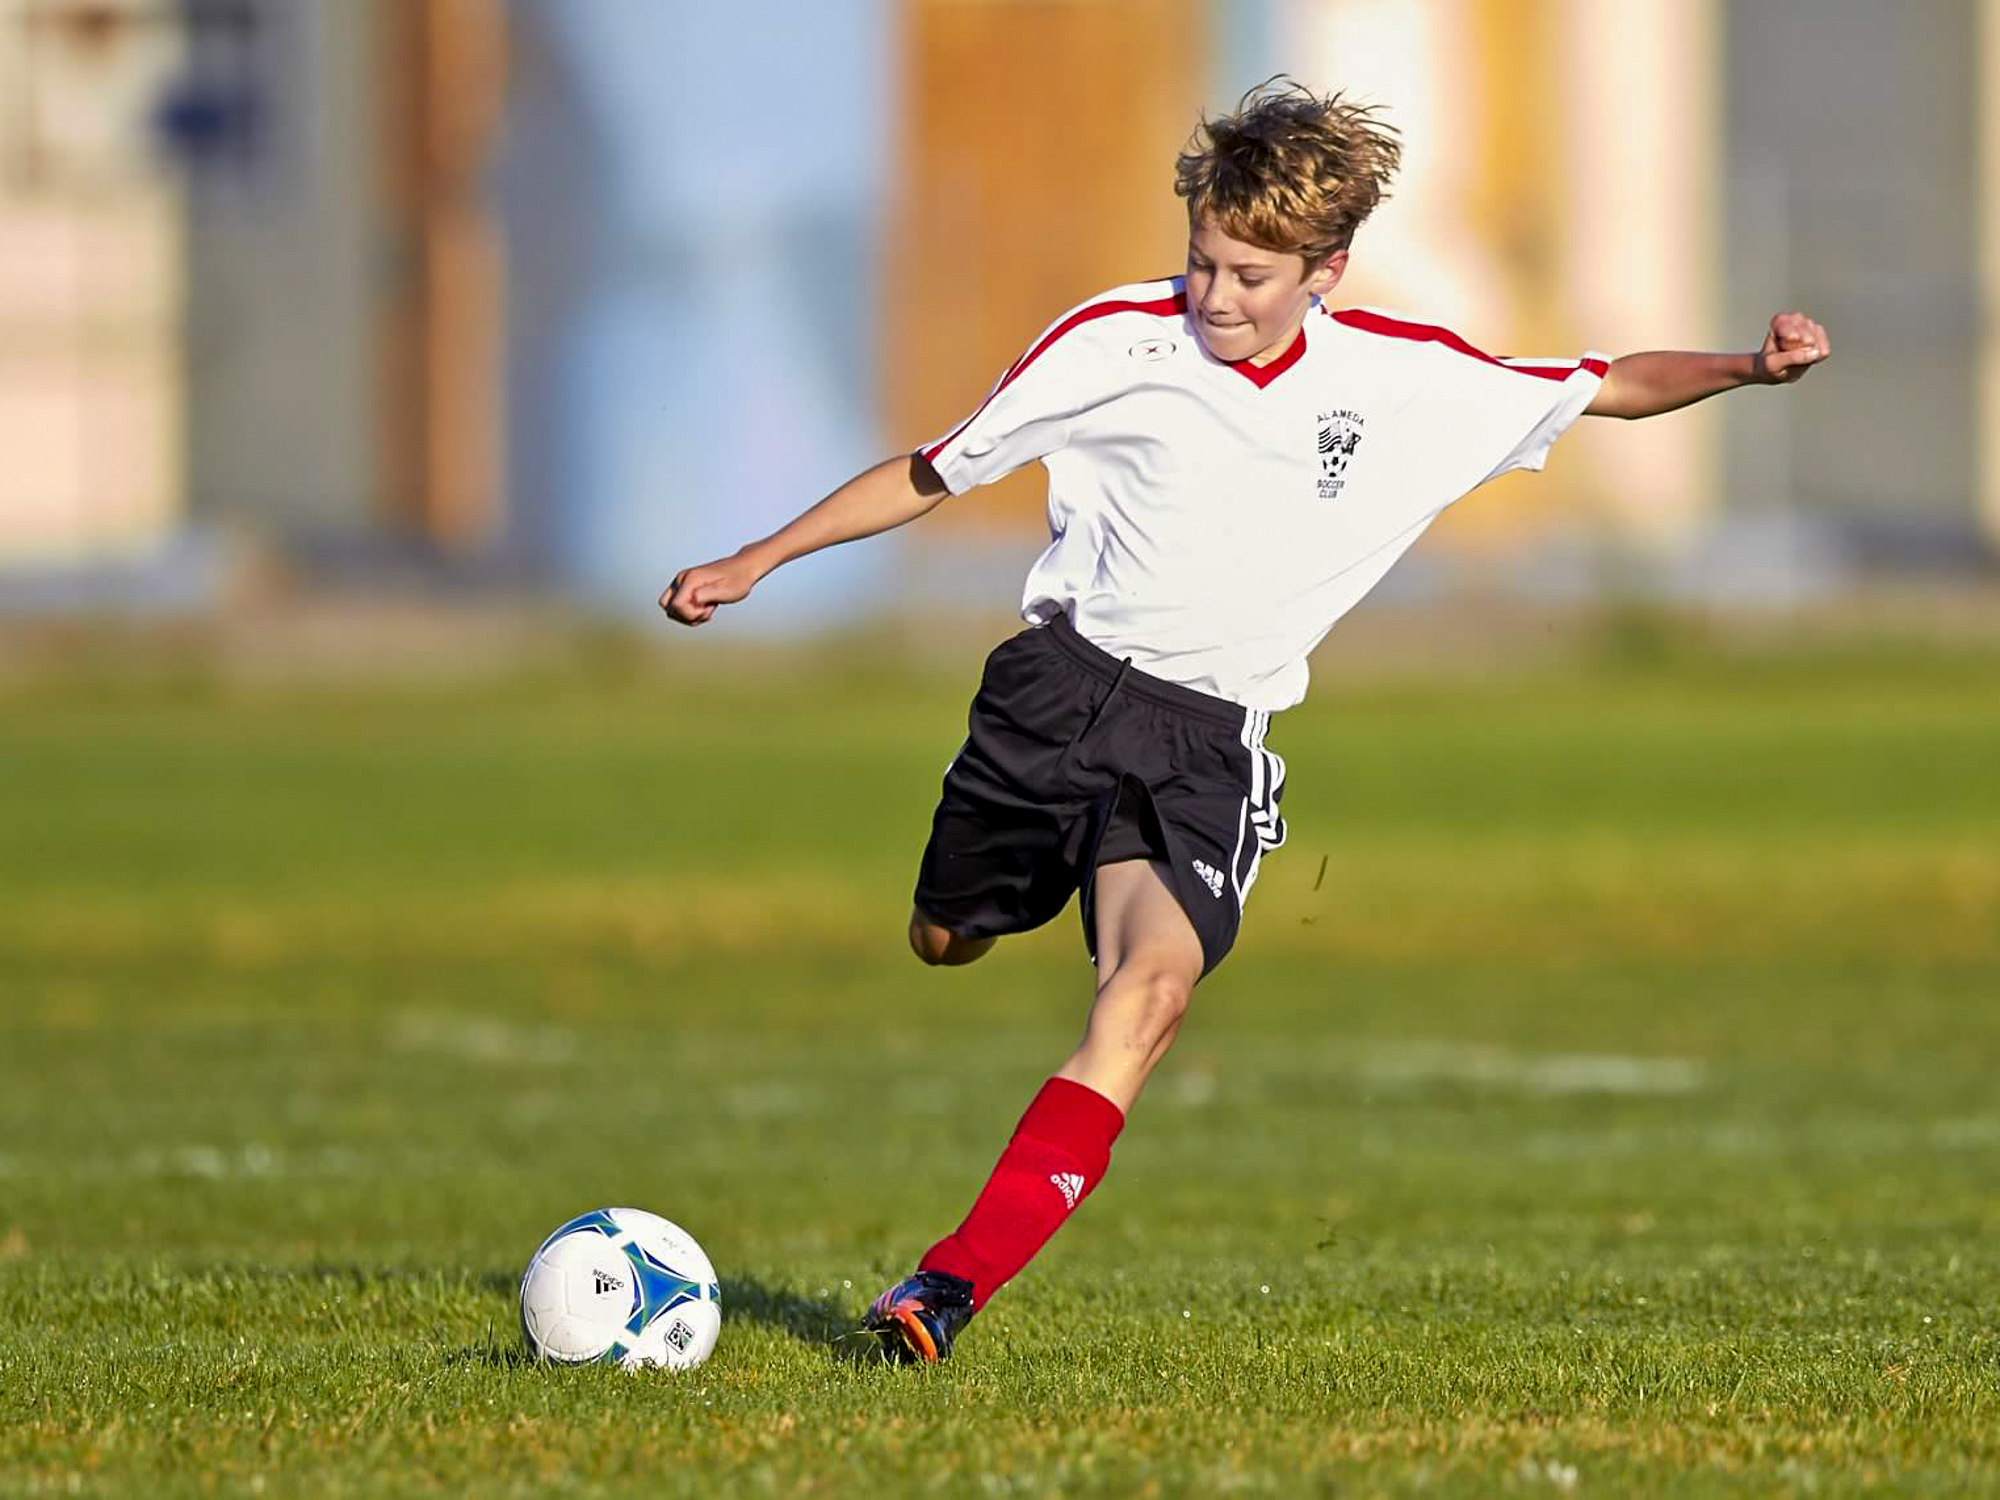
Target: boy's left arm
1644,385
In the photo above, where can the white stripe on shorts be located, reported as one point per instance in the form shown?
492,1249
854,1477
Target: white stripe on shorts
1259,815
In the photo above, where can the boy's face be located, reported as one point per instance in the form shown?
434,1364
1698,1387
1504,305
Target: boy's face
1247,302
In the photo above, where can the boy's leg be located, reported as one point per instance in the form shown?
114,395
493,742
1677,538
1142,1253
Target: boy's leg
939,945
1148,962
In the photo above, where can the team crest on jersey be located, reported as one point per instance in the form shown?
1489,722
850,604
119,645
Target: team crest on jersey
1339,436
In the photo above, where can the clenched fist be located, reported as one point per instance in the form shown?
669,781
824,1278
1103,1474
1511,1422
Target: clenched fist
1794,344
696,593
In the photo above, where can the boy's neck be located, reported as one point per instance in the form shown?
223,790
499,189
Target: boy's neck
1281,344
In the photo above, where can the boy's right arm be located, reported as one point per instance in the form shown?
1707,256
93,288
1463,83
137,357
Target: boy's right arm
878,499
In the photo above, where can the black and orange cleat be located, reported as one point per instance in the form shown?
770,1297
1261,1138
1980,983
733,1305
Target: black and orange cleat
918,1317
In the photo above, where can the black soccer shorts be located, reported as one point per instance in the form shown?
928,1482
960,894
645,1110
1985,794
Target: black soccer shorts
1075,760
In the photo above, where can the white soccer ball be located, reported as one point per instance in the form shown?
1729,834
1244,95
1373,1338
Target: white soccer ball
624,1287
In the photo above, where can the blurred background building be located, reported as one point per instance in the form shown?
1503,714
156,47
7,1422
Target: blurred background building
566,294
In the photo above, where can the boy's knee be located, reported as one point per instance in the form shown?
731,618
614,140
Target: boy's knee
1158,996
1167,996
940,946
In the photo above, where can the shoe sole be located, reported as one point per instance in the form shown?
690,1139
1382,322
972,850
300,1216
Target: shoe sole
902,1324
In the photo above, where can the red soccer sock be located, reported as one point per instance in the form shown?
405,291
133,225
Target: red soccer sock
1057,1156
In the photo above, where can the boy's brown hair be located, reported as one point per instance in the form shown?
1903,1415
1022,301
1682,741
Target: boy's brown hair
1288,170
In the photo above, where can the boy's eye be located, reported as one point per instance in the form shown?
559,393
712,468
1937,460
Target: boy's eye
1252,280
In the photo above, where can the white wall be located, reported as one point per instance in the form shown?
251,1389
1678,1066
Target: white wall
90,263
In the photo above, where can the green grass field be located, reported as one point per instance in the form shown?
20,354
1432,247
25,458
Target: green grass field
1602,1099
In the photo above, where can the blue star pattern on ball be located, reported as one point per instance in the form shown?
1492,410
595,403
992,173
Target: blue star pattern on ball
656,1288
596,1219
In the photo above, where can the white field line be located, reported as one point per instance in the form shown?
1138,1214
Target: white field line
1410,1064
251,1162
484,1039
1975,1132
1867,1139
255,1162
769,1100
924,1096
1192,1089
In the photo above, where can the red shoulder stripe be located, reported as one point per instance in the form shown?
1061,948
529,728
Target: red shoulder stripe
1597,367
1160,308
1431,333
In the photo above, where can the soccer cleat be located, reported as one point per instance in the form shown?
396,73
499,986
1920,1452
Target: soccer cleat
918,1317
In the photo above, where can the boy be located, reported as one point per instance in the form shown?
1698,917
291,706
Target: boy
1232,465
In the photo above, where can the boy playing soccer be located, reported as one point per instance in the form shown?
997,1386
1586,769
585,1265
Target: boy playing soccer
1232,465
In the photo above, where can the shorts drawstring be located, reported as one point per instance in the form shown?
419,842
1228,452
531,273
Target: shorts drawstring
1109,693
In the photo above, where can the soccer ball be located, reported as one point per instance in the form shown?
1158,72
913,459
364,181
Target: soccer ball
621,1286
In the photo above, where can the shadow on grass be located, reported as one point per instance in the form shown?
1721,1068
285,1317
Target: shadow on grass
811,1320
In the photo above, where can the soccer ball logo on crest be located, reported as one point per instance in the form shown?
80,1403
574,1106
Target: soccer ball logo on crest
1339,436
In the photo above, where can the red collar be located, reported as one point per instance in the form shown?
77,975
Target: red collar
1262,375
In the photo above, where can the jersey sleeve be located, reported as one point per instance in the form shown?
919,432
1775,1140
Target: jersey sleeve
1564,388
1025,417
1503,414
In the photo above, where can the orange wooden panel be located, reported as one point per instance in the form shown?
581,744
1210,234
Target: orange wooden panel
445,64
1038,143
1520,204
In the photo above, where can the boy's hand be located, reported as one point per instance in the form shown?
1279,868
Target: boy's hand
695,593
1793,346
896,490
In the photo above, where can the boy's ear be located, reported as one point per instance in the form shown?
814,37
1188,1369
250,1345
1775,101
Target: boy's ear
1327,275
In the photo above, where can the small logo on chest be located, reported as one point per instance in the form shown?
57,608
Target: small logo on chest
1339,436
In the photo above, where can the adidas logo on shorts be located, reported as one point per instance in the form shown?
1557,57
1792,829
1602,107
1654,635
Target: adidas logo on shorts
1210,877
1070,1184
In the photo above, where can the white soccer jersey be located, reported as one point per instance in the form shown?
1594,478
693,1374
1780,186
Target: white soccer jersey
1212,521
